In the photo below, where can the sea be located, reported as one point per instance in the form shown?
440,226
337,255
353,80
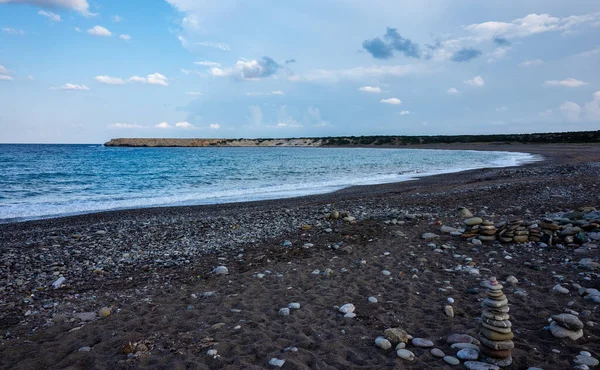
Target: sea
46,181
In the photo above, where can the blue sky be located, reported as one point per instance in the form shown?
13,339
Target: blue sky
85,71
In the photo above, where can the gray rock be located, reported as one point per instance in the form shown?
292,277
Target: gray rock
560,289
468,354
476,365
347,308
429,236
451,360
372,299
405,354
284,312
449,311
294,306
465,213
422,343
383,343
85,316
220,270
568,321
276,362
437,352
472,221
464,345
512,280
386,273
84,349
560,332
586,360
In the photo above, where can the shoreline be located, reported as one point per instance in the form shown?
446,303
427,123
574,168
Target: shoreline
152,269
533,158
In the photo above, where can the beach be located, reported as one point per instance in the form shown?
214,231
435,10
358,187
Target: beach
141,289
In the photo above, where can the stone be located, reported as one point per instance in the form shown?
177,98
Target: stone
405,354
451,360
437,352
422,343
372,299
104,312
284,312
449,311
335,215
401,345
468,354
496,323
497,345
494,303
429,236
560,289
84,349
586,360
465,213
386,273
85,316
495,316
460,338
476,365
568,321
494,335
494,353
472,221
560,332
350,315
512,280
494,328
383,343
294,306
276,362
347,308
220,270
212,352
460,346
396,335
500,362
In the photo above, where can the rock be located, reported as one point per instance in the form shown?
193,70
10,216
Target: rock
104,312
465,213
59,282
221,270
405,354
429,236
372,299
447,230
560,332
347,308
386,273
460,346
460,338
349,219
208,295
294,306
586,360
284,312
451,360
276,362
468,354
401,345
422,343
85,316
560,289
497,345
475,365
512,280
286,243
84,349
383,343
396,335
449,311
476,242
568,321
472,221
350,315
495,336
335,215
438,352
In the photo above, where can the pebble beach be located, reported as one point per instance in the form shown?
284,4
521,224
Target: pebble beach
482,269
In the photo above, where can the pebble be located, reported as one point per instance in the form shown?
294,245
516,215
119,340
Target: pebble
84,349
586,360
512,280
438,352
284,312
396,335
59,282
221,270
449,311
450,300
294,306
460,338
372,299
468,354
212,352
451,360
386,273
422,343
405,354
276,362
347,308
286,243
104,312
429,236
476,365
85,316
560,289
383,343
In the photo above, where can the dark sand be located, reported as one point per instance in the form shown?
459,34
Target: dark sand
150,263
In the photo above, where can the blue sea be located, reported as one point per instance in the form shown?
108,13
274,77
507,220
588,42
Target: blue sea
44,181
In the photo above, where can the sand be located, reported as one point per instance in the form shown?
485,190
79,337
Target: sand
157,309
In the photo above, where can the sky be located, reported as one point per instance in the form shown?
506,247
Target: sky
86,71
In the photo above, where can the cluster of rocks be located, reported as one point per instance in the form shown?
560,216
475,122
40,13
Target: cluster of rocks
495,331
566,326
336,215
573,228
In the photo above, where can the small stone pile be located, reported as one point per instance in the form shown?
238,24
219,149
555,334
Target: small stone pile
566,325
549,229
471,227
495,331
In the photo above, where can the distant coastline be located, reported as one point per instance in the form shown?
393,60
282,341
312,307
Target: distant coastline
361,141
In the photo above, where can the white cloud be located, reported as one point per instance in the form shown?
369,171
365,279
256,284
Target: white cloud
13,31
314,114
5,78
248,70
571,111
80,6
589,53
285,120
452,90
214,45
404,112
569,82
359,73
74,87
477,81
499,53
125,37
52,16
125,125
154,79
276,92
162,125
501,109
215,126
393,101
117,19
3,70
194,93
370,89
99,31
110,80
532,63
208,64
532,24
77,29
184,124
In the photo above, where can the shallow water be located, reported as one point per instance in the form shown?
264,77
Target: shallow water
41,181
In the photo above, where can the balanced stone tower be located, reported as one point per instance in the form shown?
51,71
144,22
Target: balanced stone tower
495,331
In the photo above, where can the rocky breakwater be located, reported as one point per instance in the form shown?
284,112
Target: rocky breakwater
495,331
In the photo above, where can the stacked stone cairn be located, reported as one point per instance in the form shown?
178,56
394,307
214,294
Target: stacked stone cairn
495,331
566,326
